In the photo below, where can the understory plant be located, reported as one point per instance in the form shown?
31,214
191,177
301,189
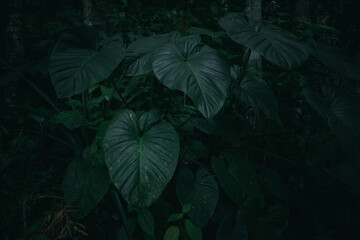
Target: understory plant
182,132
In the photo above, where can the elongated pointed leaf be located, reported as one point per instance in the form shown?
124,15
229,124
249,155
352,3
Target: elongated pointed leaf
85,183
257,93
201,192
199,71
141,156
192,230
278,46
146,221
77,62
172,233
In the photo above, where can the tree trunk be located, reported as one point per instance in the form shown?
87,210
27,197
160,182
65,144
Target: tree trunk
253,12
87,12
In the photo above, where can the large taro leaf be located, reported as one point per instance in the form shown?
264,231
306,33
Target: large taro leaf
275,44
257,93
197,70
334,60
77,62
141,155
141,51
342,114
201,192
86,181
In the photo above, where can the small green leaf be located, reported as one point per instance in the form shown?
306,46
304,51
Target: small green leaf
172,233
74,103
70,119
192,230
122,232
146,221
174,217
186,208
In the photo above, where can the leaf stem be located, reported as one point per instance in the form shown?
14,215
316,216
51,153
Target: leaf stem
245,63
122,212
119,93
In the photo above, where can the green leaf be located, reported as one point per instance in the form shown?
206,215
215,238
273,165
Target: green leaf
70,119
77,62
192,230
146,221
197,70
257,93
273,184
275,44
172,233
142,51
341,112
85,183
122,232
175,217
244,172
186,208
228,230
334,60
230,184
141,156
202,193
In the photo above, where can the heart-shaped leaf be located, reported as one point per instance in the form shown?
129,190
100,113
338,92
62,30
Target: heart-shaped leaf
202,193
77,62
333,59
142,49
257,93
275,44
197,70
85,183
141,156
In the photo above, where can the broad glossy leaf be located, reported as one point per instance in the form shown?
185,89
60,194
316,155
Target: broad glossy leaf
278,46
192,230
201,192
85,183
197,70
172,233
146,221
142,51
337,62
141,155
257,93
77,62
204,31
